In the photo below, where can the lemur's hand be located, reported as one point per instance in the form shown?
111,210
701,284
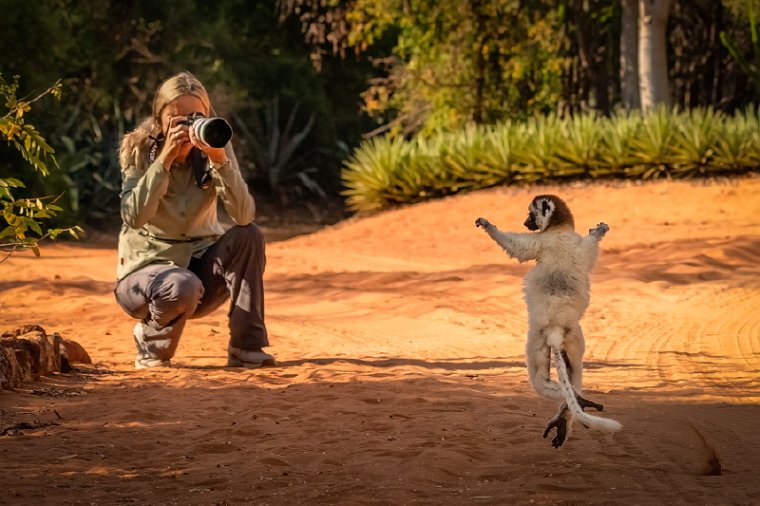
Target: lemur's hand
482,222
599,231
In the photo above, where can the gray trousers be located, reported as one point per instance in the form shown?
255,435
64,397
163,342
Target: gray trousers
165,296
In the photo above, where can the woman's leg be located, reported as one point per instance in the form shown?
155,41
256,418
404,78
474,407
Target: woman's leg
233,268
162,296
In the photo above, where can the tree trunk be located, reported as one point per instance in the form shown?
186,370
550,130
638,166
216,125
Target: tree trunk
653,61
715,68
629,54
480,62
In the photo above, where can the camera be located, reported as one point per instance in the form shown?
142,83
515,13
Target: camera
215,132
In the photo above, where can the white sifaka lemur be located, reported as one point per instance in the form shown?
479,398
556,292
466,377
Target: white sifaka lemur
557,295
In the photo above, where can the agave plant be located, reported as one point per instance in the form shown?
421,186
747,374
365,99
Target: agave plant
697,133
463,155
278,151
534,157
500,143
652,148
385,171
370,175
578,147
738,146
616,153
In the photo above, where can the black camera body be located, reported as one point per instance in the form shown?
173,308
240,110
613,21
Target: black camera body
215,132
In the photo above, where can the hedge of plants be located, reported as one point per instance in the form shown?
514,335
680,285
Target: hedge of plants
385,171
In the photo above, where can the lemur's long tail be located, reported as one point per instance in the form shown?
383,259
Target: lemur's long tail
555,337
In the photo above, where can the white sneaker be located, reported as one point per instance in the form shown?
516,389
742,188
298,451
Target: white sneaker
141,361
250,359
146,362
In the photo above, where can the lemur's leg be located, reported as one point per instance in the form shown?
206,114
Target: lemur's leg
572,353
563,420
538,359
573,347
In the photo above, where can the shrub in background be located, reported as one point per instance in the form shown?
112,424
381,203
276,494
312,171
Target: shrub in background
662,143
23,218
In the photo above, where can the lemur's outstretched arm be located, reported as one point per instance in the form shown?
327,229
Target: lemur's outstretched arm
590,243
523,247
599,231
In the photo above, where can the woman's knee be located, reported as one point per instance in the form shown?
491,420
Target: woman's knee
177,287
246,235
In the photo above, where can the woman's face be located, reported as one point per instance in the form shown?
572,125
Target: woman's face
178,110
181,107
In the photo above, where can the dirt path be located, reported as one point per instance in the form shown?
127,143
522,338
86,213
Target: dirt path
402,378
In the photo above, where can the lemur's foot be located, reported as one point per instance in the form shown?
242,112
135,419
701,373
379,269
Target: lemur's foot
482,222
585,403
560,423
600,230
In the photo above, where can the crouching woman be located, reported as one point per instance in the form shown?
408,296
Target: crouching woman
175,260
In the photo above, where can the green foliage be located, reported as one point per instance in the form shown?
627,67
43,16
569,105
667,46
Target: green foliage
750,64
113,55
24,217
446,65
25,137
662,143
457,63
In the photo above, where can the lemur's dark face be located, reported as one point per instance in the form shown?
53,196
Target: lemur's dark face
530,223
539,213
547,211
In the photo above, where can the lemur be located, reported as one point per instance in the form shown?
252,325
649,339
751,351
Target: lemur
557,294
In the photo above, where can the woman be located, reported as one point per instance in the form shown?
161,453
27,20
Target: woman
175,260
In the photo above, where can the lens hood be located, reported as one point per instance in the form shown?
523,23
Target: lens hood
215,132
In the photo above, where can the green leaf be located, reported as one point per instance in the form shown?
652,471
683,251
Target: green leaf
35,227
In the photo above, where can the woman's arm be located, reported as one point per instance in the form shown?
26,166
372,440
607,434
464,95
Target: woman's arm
140,194
233,190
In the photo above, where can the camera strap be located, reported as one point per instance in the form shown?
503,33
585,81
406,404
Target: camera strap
157,143
199,164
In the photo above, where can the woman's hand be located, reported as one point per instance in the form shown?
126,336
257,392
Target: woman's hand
176,138
215,155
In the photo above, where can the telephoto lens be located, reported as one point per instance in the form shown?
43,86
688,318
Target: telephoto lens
215,132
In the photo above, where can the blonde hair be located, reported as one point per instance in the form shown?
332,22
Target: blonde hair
136,145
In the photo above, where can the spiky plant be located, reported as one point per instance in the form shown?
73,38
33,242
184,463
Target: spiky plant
616,153
534,157
578,146
385,171
697,133
498,159
371,173
738,146
463,158
652,147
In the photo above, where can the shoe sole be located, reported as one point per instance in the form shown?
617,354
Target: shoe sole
152,364
234,362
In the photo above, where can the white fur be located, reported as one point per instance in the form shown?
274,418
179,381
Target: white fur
555,340
557,294
542,215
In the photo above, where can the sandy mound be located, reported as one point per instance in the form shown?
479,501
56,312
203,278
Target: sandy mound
400,338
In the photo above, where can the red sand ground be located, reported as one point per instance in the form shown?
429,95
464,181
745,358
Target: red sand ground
401,381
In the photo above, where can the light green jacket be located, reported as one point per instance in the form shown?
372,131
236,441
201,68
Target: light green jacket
168,219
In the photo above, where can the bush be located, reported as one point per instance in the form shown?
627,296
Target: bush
384,171
24,217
